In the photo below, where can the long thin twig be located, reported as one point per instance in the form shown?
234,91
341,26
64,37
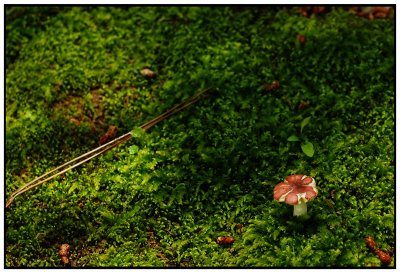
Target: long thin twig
102,149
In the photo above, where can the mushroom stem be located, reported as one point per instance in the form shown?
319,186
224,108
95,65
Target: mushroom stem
300,209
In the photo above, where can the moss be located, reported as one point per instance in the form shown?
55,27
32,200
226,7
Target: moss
164,197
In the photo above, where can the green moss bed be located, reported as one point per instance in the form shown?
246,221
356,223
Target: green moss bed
162,198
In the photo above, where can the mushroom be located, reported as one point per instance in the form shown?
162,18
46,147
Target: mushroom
296,190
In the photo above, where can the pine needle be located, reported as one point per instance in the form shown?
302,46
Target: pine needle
102,149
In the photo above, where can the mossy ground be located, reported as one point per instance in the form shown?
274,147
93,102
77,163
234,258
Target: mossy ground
162,198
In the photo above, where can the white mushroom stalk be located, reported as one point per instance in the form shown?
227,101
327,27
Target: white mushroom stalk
300,209
296,190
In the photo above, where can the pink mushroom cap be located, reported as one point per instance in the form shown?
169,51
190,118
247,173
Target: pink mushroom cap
295,189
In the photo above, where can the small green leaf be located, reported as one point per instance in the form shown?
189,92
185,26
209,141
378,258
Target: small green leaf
137,132
304,123
73,187
178,193
133,149
293,138
308,148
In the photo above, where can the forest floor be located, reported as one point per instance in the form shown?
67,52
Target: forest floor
295,91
